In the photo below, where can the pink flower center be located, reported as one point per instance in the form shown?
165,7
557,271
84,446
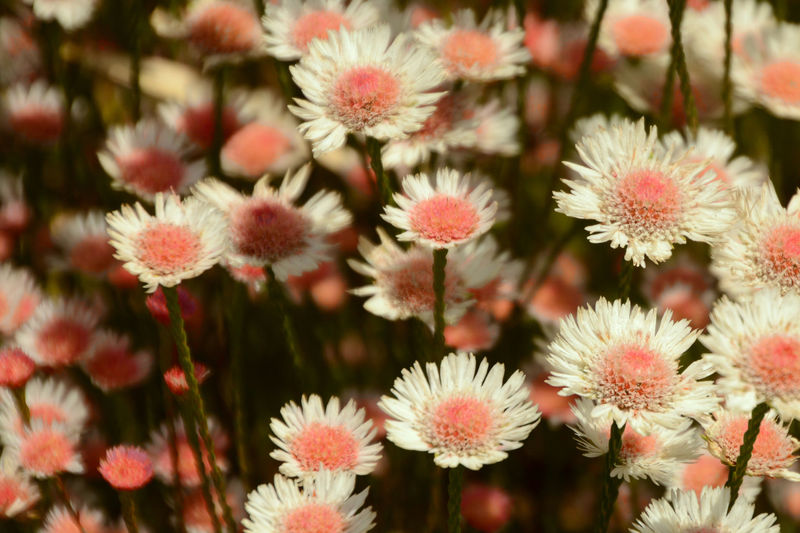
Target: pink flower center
321,446
411,285
706,471
316,25
772,450
440,121
781,80
465,50
639,35
62,342
364,96
168,248
313,518
267,230
37,124
93,255
647,200
224,28
46,452
780,255
635,445
255,148
198,124
10,491
774,366
113,367
47,413
151,170
444,219
15,367
126,468
634,377
461,422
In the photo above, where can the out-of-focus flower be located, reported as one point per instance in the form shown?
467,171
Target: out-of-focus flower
542,40
785,497
50,401
485,507
112,365
126,467
474,332
60,520
17,490
157,305
175,378
633,28
460,411
196,517
159,449
326,285
16,367
708,471
70,14
684,288
194,117
35,112
19,298
15,214
496,127
83,238
19,54
44,449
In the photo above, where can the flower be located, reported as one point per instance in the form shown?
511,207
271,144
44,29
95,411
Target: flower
496,129
485,507
195,509
126,467
147,159
17,492
476,52
181,241
59,519
773,451
291,25
684,511
35,112
159,449
112,365
312,437
643,198
708,471
626,361
633,28
43,449
51,401
474,332
175,378
83,238
19,54
268,229
19,298
70,14
359,82
441,214
194,116
16,367
325,503
460,411
684,288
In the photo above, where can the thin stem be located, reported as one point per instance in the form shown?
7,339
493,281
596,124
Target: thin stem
727,86
205,484
611,484
284,80
278,297
235,317
195,401
625,280
129,511
375,161
22,405
676,9
259,5
668,94
136,60
62,492
455,483
552,255
439,266
215,164
737,472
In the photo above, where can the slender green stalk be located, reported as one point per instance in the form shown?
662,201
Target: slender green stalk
235,314
439,266
195,401
375,161
454,486
668,95
676,9
205,484
136,59
611,484
129,511
278,298
625,280
215,164
62,493
737,472
727,86
22,405
284,80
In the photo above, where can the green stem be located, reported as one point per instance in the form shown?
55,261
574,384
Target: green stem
439,266
454,486
727,86
22,405
205,484
625,280
611,484
737,472
284,80
278,297
129,511
235,317
195,401
215,164
375,161
136,60
668,95
676,9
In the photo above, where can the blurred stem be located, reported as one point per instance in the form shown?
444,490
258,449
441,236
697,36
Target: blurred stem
235,315
215,164
259,5
552,255
375,161
455,483
129,511
625,280
676,9
611,484
195,401
278,298
62,493
205,484
284,79
727,86
737,472
22,405
136,60
439,265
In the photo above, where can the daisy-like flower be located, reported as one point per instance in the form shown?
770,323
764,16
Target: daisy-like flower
16,367
70,14
643,198
442,214
461,411
755,349
683,287
126,467
360,82
35,112
685,512
50,401
44,450
147,159
83,238
17,492
626,361
633,28
175,378
708,471
59,519
477,52
325,503
473,333
19,54
58,333
194,116
313,437
181,241
291,25
112,365
773,451
268,229
496,127
649,451
763,248
19,297
159,449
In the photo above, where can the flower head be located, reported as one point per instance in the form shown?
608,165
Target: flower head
126,467
175,378
44,450
35,112
112,365
16,367
633,28
159,449
17,491
83,238
59,519
50,401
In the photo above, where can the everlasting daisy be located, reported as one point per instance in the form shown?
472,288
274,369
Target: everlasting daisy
16,367
70,14
442,214
486,508
313,437
633,28
19,54
496,127
477,52
194,116
83,238
773,451
650,451
268,229
684,288
44,450
360,82
17,491
50,401
159,449
19,297
35,112
58,333
181,241
708,471
626,361
195,513
291,25
126,467
112,365
460,411
59,519
147,159
643,198
325,503
175,378
685,512
474,332
763,248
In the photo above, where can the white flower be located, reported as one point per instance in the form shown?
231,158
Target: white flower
460,411
19,491
51,401
20,294
633,28
35,112
83,239
70,14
